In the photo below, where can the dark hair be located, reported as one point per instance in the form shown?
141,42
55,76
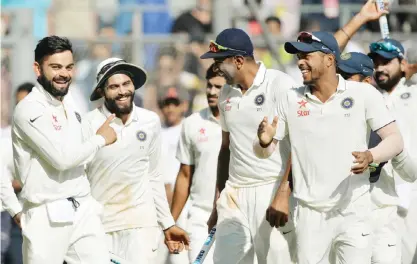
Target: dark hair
273,19
51,45
211,73
25,87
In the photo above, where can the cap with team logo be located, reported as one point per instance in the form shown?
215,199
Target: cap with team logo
356,63
112,66
314,41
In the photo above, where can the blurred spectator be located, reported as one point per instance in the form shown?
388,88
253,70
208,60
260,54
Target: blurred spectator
169,65
11,234
40,14
73,19
23,90
194,21
411,65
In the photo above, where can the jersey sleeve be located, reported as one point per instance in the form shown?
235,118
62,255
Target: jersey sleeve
185,147
221,109
376,110
33,127
281,112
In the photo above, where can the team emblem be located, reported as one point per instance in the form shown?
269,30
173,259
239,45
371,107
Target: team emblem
141,136
347,103
259,99
345,56
405,95
78,116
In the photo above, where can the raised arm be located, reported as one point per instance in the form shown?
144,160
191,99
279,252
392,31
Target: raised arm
369,12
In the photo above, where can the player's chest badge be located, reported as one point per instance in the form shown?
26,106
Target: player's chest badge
259,101
142,137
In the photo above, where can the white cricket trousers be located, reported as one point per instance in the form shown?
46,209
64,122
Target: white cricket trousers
136,245
82,241
334,237
386,236
198,231
243,232
409,237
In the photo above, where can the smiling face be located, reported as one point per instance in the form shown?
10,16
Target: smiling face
388,72
312,66
118,94
55,73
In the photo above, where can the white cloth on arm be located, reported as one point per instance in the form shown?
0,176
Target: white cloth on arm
390,146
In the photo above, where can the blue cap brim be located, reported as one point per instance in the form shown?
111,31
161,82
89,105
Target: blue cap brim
221,54
384,54
297,47
348,69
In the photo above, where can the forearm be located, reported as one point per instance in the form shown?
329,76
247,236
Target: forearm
9,198
284,186
180,196
344,34
391,145
222,170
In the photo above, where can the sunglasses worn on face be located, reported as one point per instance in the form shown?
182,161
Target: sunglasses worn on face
107,67
385,46
214,47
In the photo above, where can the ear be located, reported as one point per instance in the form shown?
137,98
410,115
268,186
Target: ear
403,65
368,79
239,61
37,69
100,91
331,60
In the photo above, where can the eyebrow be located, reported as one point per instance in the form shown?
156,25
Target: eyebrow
58,64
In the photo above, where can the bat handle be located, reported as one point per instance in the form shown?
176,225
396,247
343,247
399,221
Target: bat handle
383,22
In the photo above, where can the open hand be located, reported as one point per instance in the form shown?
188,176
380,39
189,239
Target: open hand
266,131
370,11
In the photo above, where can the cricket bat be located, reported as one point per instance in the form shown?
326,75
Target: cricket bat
383,22
206,247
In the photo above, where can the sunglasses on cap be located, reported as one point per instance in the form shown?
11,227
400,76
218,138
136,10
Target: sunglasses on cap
214,47
308,38
385,46
107,67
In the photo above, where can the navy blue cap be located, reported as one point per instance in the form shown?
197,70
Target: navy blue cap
236,42
387,48
356,63
321,41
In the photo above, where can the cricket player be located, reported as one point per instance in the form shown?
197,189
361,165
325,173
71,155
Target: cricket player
247,188
386,223
125,177
401,99
328,122
60,219
198,150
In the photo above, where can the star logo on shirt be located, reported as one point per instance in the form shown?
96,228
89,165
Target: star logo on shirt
54,118
202,131
302,104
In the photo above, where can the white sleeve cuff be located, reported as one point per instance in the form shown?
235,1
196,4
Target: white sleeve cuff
14,208
98,140
166,222
405,166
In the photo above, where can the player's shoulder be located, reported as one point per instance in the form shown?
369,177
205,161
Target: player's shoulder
361,89
280,77
147,116
196,117
30,106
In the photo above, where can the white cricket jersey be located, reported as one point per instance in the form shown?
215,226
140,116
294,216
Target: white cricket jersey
240,115
323,137
48,147
402,103
170,137
125,177
199,145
